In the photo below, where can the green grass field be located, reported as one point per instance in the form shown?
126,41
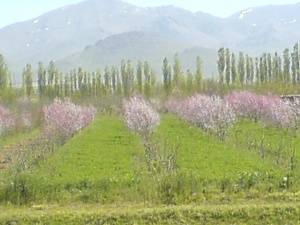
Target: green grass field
104,150
277,144
205,155
216,182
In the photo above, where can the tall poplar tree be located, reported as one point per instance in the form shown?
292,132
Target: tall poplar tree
296,63
177,71
247,69
198,74
251,70
139,77
227,66
221,64
28,80
41,80
233,69
241,68
286,65
107,80
147,79
270,68
4,74
166,76
189,81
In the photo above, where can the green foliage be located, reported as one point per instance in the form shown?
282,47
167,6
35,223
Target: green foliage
221,64
167,76
177,70
42,80
198,74
28,80
5,80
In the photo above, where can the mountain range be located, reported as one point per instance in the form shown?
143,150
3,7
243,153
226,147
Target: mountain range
96,33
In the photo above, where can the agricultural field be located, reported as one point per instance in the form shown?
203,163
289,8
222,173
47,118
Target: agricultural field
135,145
191,160
149,115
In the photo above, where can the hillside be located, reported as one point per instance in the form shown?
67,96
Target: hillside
272,27
64,34
134,46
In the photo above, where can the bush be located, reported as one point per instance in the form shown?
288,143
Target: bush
270,110
210,113
7,120
64,118
140,116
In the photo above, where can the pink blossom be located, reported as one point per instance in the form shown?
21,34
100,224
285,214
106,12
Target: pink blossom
7,120
140,116
265,108
210,113
281,114
245,104
65,118
26,120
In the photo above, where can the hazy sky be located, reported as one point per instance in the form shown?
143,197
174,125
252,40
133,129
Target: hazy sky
12,11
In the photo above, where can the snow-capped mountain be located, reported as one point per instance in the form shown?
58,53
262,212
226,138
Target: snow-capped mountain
65,33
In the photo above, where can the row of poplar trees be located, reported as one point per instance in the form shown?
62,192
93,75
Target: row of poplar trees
174,78
128,79
124,80
246,70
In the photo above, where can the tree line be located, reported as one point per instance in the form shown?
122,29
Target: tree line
246,70
126,80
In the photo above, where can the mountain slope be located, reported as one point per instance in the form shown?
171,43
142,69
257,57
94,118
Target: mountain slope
266,28
67,31
70,29
135,46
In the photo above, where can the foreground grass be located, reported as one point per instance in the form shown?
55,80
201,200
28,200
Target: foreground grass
253,213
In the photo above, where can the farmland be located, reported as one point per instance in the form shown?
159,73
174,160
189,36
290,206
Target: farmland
103,174
125,148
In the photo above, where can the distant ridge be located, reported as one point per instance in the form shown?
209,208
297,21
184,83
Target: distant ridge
64,34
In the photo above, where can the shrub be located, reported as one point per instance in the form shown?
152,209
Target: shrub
64,118
140,116
245,104
266,108
281,114
7,120
24,108
210,113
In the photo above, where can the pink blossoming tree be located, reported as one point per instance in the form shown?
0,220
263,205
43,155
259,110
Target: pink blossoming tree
7,120
270,110
64,118
140,116
210,113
